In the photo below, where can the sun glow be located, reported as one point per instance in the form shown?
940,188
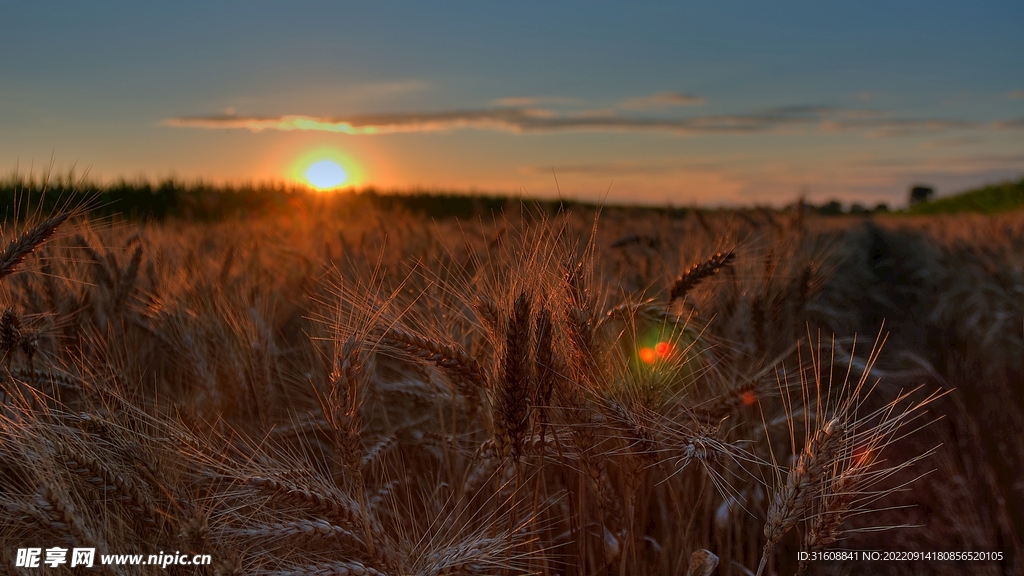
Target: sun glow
324,168
325,175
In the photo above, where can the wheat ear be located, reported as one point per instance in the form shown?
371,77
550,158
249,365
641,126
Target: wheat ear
342,510
341,568
512,396
803,484
94,472
450,357
315,529
698,272
19,249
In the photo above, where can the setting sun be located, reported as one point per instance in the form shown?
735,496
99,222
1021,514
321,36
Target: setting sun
326,174
322,168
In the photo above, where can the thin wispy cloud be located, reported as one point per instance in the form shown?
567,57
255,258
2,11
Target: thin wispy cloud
895,127
661,100
1015,94
516,101
621,168
540,120
951,143
387,89
946,164
529,101
411,85
507,119
1011,124
594,113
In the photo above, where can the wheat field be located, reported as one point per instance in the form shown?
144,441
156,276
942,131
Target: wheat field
583,392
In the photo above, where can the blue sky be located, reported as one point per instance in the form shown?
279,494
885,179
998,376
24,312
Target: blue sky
707,103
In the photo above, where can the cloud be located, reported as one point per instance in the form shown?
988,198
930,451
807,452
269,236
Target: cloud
1015,94
505,119
539,120
661,100
516,101
1011,124
594,113
895,127
951,143
508,119
946,164
622,168
527,101
400,86
385,89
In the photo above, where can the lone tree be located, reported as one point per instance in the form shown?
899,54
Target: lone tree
919,194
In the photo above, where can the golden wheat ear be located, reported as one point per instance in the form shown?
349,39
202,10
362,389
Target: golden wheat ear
698,272
16,252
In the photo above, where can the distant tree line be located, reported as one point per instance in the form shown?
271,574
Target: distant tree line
200,201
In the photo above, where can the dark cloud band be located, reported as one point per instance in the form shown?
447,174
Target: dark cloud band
536,120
